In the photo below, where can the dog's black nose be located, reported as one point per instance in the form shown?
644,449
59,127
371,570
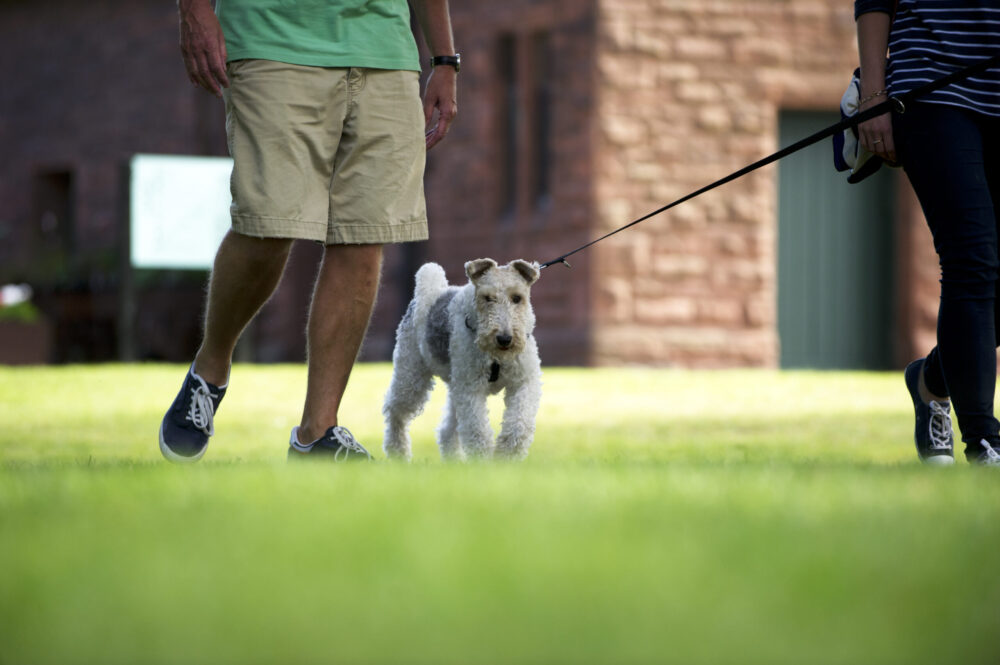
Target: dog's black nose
503,341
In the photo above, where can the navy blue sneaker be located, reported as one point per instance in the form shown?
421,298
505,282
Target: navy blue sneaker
989,457
189,421
336,444
933,433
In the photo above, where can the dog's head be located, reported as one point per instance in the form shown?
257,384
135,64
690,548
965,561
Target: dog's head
503,304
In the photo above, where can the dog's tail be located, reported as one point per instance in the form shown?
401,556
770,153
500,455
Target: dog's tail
430,283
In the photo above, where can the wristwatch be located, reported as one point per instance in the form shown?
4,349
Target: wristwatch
453,60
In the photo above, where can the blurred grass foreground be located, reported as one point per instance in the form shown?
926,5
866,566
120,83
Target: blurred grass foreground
663,516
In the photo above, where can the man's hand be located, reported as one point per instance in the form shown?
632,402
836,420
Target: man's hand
203,46
440,95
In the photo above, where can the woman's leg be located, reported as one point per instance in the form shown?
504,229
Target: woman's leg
943,151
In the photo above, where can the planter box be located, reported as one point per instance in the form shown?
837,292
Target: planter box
25,343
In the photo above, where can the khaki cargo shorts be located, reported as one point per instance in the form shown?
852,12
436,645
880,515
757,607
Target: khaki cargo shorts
327,154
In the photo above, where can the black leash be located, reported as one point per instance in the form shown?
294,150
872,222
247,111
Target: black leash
896,104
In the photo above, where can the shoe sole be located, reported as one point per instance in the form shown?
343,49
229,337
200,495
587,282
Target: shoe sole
932,460
174,457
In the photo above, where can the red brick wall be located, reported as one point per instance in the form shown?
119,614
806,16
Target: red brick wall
85,90
464,181
85,86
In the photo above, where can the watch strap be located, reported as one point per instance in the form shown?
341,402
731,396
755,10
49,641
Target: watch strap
451,60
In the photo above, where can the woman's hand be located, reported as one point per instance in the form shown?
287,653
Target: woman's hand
875,135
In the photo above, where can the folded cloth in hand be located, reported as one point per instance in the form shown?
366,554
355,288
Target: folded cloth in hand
847,151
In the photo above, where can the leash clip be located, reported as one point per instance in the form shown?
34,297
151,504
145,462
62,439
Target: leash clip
897,105
555,261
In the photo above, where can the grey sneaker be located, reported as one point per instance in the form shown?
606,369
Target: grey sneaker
336,444
933,432
989,457
189,422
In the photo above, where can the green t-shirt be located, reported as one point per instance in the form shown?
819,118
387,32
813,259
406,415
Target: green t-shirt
320,33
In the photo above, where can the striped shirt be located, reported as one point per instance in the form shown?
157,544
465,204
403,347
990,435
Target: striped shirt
932,38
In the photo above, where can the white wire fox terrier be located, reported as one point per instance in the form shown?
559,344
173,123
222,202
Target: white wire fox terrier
478,339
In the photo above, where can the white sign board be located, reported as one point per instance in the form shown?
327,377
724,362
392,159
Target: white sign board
179,209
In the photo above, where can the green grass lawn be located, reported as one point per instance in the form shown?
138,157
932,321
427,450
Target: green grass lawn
663,516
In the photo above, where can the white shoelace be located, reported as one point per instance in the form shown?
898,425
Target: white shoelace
202,409
939,426
992,457
348,443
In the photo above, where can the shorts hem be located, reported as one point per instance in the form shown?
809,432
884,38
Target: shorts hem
339,233
347,233
278,227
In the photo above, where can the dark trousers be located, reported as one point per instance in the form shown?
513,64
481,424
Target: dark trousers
952,158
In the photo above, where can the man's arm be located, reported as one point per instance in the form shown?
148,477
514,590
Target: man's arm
441,91
202,45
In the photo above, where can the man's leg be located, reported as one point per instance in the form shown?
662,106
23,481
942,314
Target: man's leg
246,272
341,307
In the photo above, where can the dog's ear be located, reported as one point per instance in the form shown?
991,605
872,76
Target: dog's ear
478,268
529,271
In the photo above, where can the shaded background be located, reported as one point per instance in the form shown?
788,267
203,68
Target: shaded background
574,118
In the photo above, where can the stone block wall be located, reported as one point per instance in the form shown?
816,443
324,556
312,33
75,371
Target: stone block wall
689,91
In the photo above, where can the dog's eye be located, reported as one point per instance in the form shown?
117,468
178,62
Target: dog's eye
489,298
516,299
